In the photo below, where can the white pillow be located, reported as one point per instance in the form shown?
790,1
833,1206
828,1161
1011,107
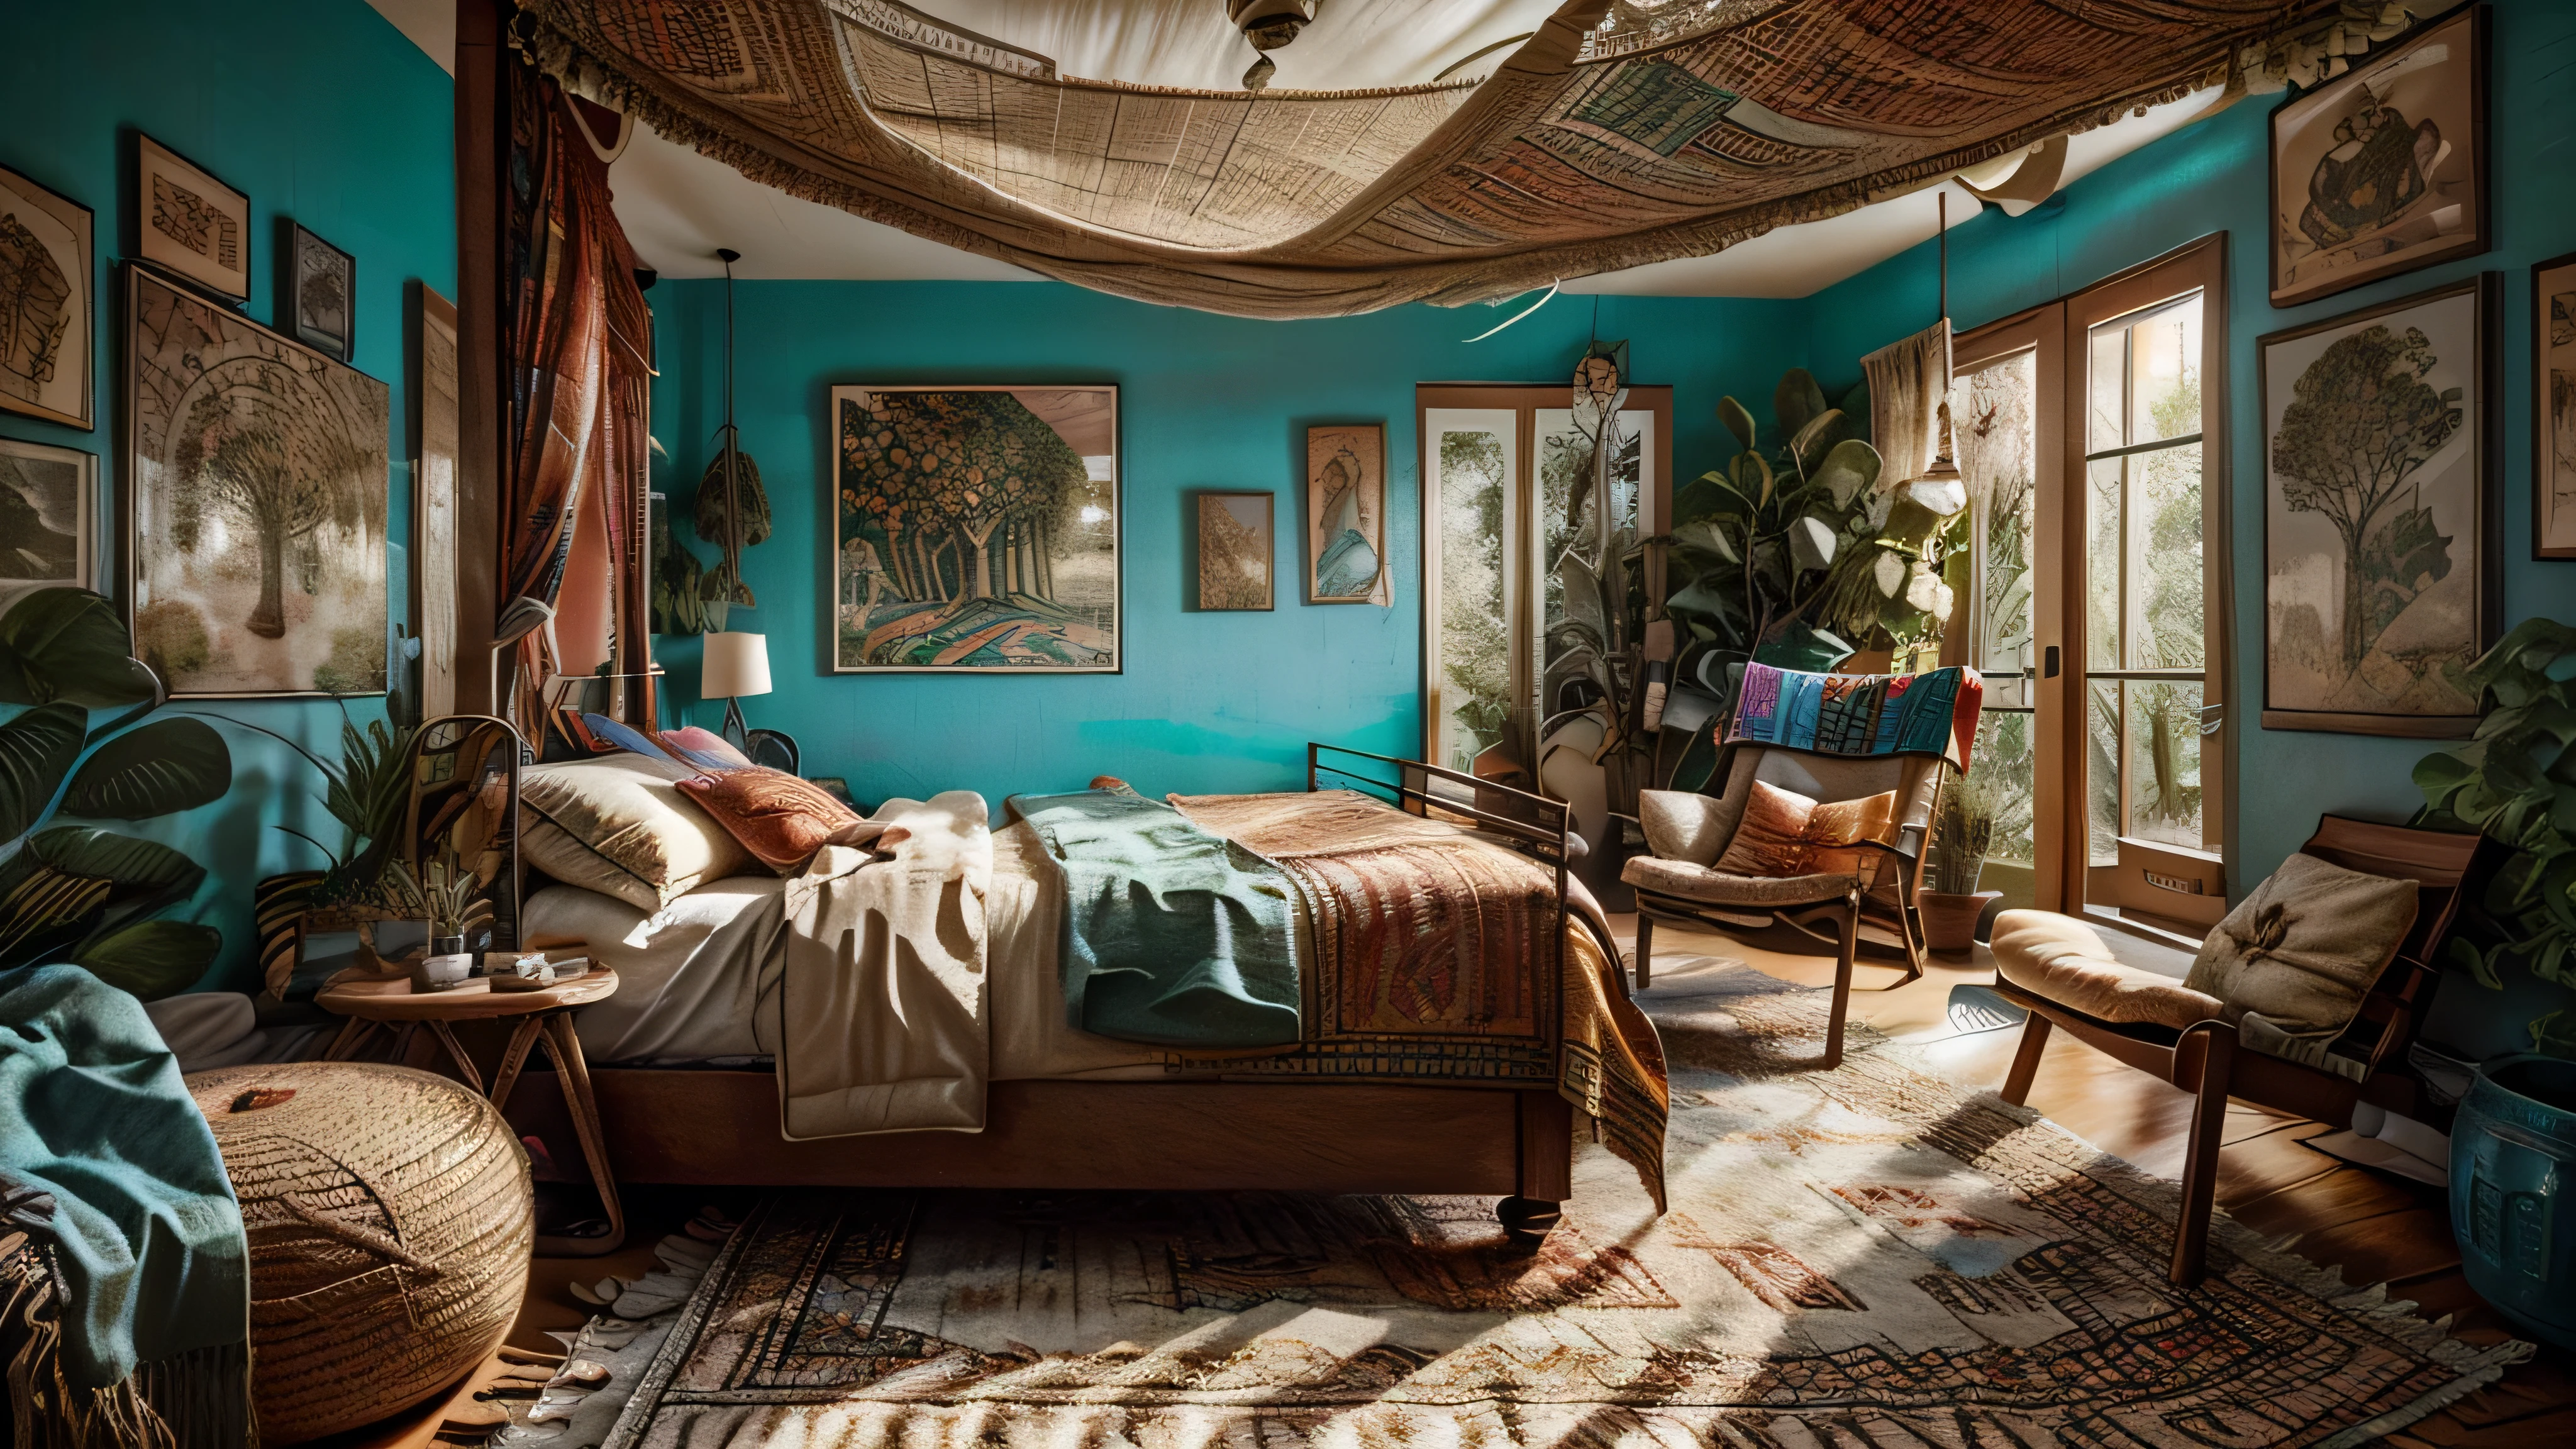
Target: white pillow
619,825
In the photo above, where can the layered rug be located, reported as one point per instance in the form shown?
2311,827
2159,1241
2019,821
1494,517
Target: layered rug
1863,1259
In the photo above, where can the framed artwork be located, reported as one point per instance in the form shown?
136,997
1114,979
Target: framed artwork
2379,520
2383,169
255,504
1346,514
48,246
975,530
189,222
433,514
324,296
2553,408
48,509
1235,551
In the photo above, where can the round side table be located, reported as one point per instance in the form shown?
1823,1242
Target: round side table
373,1003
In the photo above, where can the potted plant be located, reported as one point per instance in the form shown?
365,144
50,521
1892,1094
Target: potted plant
1950,902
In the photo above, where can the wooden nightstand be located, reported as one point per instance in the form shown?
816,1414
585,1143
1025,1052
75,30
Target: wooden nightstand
373,1003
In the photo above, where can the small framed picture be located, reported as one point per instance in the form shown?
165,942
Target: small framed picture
190,223
1235,550
48,277
48,508
2553,410
323,303
2384,168
1346,514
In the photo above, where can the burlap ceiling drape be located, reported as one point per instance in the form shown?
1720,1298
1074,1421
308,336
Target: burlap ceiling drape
1618,135
578,346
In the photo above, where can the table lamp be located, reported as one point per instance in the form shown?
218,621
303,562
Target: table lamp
735,665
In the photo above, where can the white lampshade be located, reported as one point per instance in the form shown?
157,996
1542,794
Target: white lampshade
736,665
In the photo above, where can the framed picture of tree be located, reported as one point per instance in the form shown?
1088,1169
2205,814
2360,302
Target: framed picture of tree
1236,551
975,530
255,503
46,277
2380,522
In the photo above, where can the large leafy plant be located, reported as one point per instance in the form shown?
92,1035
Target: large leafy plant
367,793
78,892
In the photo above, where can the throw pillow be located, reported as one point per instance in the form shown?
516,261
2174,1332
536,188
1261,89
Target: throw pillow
2306,946
619,825
1784,833
703,748
779,818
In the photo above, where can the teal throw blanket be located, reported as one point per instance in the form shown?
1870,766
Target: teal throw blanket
92,1111
1172,935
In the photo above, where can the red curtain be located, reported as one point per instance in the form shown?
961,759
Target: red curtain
579,350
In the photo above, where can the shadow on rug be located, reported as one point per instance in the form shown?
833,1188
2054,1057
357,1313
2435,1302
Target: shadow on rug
1863,1257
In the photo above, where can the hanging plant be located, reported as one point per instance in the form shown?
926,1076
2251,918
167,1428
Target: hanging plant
733,507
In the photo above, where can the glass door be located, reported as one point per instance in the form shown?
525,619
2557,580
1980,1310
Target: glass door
1470,473
1995,413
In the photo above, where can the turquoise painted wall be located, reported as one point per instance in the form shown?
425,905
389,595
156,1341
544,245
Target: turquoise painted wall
320,111
2212,177
1208,701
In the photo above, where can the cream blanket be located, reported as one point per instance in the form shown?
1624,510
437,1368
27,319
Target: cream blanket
883,993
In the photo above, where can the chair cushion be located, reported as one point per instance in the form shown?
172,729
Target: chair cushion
1690,882
1680,825
2306,946
1784,833
2062,959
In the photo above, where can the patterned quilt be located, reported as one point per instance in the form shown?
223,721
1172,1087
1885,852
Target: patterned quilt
1933,713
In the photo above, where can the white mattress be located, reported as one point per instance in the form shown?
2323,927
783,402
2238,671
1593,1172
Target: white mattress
697,980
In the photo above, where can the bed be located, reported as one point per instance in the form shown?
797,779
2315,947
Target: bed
686,1059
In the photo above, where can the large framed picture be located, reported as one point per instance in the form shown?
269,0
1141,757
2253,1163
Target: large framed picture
189,222
256,499
2383,169
1346,514
2553,408
323,299
1235,536
48,244
2379,518
975,530
48,504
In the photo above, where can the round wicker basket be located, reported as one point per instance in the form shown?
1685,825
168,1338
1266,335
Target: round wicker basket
390,1223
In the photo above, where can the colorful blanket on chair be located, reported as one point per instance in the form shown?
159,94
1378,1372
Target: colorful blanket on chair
1861,714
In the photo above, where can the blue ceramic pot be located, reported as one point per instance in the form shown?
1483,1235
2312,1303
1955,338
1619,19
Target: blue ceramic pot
2513,1193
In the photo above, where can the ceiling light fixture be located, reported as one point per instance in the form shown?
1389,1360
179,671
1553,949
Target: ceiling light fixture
1268,24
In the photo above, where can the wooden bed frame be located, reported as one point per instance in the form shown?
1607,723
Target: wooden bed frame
713,1127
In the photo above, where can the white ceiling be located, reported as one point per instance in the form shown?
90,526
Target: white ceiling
679,206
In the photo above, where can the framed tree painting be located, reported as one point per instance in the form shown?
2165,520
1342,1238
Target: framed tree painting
1346,514
2379,517
47,273
2383,169
256,499
48,501
324,295
975,530
1235,551
2553,408
189,222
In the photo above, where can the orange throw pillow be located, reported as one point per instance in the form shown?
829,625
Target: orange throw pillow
1784,833
779,818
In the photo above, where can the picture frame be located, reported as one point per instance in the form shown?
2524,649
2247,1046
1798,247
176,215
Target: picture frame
2352,200
976,529
1237,551
1345,514
437,410
255,489
48,303
2553,408
190,223
48,518
2381,566
319,308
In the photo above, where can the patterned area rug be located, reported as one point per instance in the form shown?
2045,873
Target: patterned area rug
1862,1257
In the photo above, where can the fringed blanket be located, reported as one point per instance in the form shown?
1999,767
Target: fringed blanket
1435,959
1861,714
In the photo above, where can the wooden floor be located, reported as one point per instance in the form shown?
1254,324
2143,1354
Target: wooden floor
2375,1227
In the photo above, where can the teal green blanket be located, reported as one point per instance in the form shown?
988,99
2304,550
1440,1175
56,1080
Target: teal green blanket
92,1111
1172,936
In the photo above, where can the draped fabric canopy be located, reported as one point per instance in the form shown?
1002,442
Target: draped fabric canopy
1617,135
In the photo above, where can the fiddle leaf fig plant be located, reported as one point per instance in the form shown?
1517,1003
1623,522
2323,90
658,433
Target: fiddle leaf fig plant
78,892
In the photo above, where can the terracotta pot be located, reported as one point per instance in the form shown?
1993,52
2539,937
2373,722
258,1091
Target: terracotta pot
1950,922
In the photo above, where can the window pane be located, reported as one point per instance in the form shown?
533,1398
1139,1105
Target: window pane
2105,551
1569,527
2167,607
1990,411
1473,472
2107,391
2164,762
2102,755
2164,372
2002,766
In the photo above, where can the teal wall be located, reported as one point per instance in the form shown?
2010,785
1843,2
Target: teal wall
321,111
2212,177
1207,701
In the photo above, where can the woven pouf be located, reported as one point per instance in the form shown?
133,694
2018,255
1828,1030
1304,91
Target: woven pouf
390,1222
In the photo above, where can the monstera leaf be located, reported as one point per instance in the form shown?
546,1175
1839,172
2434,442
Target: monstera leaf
152,959
142,873
168,765
69,644
36,749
